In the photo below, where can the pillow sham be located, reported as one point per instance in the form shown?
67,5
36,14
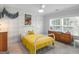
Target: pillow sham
30,32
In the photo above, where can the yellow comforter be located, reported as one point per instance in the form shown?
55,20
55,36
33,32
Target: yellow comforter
34,42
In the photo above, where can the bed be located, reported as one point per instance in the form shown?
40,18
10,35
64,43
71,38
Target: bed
33,42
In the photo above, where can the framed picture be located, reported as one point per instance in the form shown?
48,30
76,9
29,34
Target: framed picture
27,19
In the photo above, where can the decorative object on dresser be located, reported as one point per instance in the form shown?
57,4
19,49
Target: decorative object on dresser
3,41
62,37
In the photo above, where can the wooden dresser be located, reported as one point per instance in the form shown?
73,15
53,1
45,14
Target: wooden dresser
63,37
3,41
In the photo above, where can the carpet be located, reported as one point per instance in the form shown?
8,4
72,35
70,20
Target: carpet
60,48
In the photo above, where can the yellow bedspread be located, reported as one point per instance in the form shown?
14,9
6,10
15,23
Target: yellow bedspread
34,42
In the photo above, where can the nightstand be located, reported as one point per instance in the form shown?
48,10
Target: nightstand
3,41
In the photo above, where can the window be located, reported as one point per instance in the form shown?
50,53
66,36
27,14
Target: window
55,24
65,24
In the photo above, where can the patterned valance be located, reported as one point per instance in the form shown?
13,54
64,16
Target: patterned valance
10,15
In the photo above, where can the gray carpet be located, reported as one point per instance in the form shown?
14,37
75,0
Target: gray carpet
60,48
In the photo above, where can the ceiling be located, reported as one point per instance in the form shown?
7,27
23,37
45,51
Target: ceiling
50,8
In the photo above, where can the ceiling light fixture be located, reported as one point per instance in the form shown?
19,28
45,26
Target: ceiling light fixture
41,10
43,6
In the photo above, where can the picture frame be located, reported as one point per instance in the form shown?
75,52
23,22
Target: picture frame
27,19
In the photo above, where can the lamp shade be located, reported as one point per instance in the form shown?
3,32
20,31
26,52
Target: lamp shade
3,26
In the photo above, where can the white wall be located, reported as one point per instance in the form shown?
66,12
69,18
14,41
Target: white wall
15,26
70,12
